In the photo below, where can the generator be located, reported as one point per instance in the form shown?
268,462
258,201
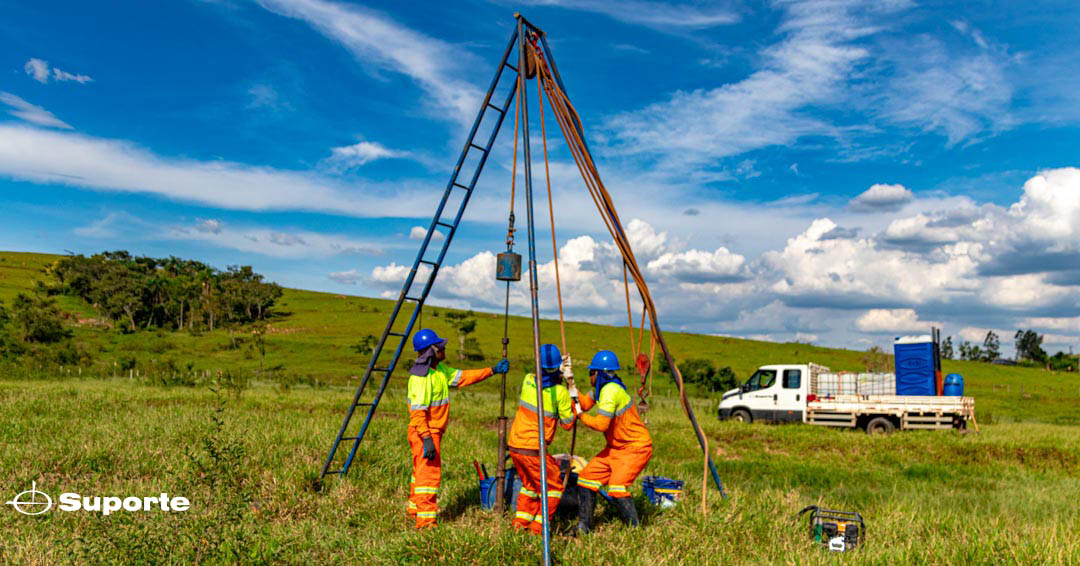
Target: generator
839,531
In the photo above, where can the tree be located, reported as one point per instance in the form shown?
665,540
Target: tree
366,345
969,351
947,348
1029,346
37,319
991,347
876,360
465,324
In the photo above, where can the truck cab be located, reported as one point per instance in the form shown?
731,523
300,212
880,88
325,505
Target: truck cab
774,393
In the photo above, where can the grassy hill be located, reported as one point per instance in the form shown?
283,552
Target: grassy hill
247,455
313,335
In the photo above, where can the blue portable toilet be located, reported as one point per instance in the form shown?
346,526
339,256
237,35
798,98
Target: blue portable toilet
954,385
914,365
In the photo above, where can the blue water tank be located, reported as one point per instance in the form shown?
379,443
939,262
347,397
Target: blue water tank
954,385
914,365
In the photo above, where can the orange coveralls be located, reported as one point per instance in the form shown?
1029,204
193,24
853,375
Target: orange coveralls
429,411
524,451
629,445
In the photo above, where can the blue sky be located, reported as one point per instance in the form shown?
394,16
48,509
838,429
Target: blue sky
837,172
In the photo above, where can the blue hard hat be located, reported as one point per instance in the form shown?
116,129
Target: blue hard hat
426,338
604,360
550,357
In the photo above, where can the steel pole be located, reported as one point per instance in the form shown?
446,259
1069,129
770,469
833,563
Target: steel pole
534,295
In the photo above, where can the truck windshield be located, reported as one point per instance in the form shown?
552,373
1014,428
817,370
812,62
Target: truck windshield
762,379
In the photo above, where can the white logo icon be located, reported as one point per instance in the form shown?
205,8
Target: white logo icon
33,507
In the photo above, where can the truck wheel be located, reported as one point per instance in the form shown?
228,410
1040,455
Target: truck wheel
880,425
741,416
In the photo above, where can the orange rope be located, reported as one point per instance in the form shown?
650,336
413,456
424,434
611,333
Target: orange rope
629,317
517,119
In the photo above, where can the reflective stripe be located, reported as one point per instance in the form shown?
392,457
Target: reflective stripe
524,516
555,494
617,489
567,421
667,490
412,479
532,407
528,493
417,407
456,380
589,483
419,489
625,408
604,413
427,514
440,402
412,505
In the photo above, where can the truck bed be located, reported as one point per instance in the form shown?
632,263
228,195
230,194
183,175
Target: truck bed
911,411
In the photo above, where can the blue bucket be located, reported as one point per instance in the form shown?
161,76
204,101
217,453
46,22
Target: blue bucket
487,493
954,385
659,489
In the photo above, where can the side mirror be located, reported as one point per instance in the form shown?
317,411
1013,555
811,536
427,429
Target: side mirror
744,387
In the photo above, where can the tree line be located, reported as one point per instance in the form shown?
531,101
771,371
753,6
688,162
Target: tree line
1028,349
139,292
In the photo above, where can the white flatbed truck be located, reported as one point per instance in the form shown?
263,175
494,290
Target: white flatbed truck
810,393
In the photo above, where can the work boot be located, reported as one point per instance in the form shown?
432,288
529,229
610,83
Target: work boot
586,504
627,510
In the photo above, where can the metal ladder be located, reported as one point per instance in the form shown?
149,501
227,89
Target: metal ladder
389,335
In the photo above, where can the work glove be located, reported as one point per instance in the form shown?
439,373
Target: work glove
567,368
429,449
501,367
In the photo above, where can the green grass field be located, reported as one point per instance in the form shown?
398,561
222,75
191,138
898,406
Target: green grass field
247,455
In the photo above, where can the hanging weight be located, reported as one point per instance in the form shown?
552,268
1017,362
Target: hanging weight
508,267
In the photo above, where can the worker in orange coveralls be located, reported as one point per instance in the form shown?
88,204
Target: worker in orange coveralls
430,381
629,445
524,439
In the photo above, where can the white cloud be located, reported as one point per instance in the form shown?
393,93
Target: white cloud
34,114
882,198
893,320
39,70
48,157
1067,324
659,15
698,266
209,225
363,152
378,41
266,96
66,76
419,232
350,277
938,89
808,66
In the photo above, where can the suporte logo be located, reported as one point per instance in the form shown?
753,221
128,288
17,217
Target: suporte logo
32,507
35,502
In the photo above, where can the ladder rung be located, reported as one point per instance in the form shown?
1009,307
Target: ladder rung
483,149
375,369
417,299
344,438
335,472
444,224
459,185
432,263
398,334
511,66
499,110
